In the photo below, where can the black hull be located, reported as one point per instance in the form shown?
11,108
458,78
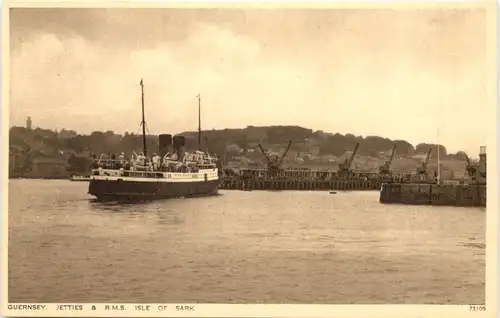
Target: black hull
113,190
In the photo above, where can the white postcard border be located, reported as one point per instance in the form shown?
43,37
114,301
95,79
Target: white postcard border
284,310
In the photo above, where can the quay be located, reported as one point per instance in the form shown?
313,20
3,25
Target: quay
306,185
434,194
276,177
310,180
468,193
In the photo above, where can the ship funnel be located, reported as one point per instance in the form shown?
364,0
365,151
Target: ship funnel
180,146
177,142
165,144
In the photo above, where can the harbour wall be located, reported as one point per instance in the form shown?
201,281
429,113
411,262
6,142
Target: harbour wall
40,176
306,185
433,194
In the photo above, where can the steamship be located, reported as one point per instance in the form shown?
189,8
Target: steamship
174,173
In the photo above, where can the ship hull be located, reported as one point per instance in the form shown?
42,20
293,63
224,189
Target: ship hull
128,190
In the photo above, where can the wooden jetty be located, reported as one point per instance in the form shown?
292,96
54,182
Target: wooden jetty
298,184
275,177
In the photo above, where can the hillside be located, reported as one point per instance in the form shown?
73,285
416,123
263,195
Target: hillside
312,147
303,139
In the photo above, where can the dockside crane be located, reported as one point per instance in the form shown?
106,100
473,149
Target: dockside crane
274,164
345,168
386,167
423,169
471,168
282,158
265,154
351,159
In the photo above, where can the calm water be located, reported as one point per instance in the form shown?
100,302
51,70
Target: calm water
256,247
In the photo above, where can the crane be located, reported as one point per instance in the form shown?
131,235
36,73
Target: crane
471,169
349,163
423,169
274,164
345,168
385,168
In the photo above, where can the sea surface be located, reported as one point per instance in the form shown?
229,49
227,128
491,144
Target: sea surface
240,247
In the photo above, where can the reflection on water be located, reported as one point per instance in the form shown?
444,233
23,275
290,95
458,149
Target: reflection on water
257,247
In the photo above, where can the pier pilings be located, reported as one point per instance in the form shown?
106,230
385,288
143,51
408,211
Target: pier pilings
305,185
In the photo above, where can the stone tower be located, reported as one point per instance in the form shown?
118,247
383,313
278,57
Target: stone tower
481,171
28,123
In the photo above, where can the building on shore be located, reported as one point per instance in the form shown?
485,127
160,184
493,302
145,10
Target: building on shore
29,164
52,168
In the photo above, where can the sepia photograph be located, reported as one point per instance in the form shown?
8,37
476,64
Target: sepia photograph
261,155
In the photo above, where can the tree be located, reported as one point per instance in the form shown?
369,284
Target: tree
422,148
460,155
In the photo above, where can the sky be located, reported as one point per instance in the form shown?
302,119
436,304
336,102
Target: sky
417,75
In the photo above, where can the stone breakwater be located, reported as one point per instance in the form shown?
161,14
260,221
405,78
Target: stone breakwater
433,194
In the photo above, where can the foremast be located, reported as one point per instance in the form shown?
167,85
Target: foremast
143,122
199,121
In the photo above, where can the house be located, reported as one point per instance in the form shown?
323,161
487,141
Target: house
45,167
12,162
314,151
17,160
328,159
233,148
291,154
419,156
67,134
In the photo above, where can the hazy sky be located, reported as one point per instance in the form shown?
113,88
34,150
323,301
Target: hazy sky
395,73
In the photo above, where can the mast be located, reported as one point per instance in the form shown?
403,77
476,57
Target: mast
225,151
439,162
199,122
143,123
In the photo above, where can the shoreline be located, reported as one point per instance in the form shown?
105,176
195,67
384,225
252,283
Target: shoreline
39,178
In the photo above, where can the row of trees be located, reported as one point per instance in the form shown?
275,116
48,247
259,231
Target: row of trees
216,141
